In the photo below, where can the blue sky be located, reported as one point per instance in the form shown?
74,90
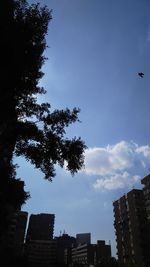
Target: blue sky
96,48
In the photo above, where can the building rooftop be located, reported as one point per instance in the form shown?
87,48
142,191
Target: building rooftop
146,179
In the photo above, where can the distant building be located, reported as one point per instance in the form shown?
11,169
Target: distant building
103,252
40,246
83,254
41,253
91,254
68,256
84,238
41,227
131,225
63,242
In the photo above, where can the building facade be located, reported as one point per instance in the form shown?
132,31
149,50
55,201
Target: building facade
91,254
146,190
83,254
63,243
40,246
41,253
103,252
131,226
84,238
41,227
16,233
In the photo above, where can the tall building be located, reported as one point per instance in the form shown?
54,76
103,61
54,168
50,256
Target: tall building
16,232
146,190
131,225
40,246
84,238
41,227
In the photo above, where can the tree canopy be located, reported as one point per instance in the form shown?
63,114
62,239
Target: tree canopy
28,128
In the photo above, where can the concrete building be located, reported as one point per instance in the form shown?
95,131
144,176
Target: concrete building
146,190
103,252
84,238
83,254
131,227
91,254
63,242
68,256
40,246
41,253
41,227
16,233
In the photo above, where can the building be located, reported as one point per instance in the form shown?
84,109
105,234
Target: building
41,253
91,254
41,227
84,238
63,243
103,252
68,257
16,233
131,226
83,254
40,246
146,190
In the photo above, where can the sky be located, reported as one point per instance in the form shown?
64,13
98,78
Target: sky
96,48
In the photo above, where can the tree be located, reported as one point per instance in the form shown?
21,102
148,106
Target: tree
28,128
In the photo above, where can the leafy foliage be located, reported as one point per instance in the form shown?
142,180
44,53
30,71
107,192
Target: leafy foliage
28,128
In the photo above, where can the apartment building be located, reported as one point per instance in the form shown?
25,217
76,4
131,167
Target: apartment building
146,191
131,226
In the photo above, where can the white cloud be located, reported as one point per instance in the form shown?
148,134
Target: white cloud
116,181
117,166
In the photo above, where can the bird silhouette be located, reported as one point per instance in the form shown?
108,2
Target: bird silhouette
141,74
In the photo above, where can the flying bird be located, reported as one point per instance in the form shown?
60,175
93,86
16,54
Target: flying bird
141,74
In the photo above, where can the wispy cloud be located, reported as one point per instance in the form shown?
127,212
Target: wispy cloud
117,166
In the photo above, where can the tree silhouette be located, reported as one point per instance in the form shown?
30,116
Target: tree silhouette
28,128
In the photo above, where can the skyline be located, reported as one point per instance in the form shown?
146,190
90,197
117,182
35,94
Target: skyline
95,52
